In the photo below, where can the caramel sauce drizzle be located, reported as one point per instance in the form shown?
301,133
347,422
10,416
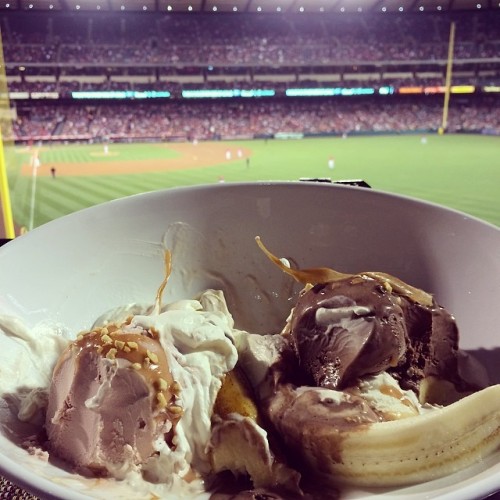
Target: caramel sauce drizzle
397,394
167,260
324,275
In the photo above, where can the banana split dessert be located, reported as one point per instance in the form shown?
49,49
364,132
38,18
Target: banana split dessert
364,386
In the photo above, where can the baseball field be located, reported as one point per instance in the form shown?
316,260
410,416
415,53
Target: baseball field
459,171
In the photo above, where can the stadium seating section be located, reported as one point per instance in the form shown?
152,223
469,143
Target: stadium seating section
51,56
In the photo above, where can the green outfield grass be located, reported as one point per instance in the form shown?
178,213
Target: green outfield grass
459,171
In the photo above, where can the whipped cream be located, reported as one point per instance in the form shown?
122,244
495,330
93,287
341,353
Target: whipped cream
199,352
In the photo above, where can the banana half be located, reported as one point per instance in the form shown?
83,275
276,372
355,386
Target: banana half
353,449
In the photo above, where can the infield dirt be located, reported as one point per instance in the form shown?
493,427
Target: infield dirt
190,156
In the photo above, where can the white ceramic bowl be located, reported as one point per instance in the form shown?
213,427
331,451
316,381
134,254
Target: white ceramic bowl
75,268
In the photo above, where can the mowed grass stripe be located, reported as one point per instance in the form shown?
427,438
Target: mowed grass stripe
67,197
120,186
75,154
73,192
459,171
193,177
153,181
70,194
71,154
43,213
104,188
139,183
97,187
47,204
95,153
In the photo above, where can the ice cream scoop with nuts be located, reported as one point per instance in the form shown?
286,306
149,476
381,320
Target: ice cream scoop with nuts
154,394
138,396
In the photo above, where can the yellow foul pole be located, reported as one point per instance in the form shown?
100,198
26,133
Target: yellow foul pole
449,69
5,195
5,126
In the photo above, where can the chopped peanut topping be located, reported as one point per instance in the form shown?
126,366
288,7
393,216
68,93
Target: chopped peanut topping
175,388
119,344
175,409
152,356
112,353
162,402
106,339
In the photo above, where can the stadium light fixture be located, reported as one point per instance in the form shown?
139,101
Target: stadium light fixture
360,9
259,9
439,7
98,7
190,8
51,6
278,9
401,9
322,9
421,8
301,9
30,6
77,7
169,8
122,7
214,8
144,7
384,9
478,6
342,9
7,5
235,9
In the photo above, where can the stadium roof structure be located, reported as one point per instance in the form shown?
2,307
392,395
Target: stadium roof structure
250,6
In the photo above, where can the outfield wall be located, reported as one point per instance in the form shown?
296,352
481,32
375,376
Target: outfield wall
87,139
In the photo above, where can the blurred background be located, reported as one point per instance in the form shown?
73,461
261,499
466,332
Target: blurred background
101,99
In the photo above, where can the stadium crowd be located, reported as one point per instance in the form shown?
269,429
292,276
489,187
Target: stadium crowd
66,52
260,118
247,39
319,51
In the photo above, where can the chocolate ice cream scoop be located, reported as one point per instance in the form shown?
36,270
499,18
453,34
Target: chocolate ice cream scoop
357,326
345,326
343,330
